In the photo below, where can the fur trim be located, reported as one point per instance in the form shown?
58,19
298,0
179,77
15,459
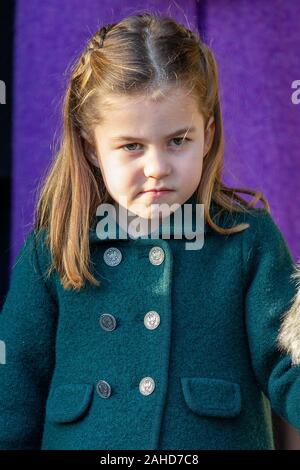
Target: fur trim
288,340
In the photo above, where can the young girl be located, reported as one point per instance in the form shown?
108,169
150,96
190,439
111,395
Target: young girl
140,343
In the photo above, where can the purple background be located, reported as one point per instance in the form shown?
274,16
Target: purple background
257,46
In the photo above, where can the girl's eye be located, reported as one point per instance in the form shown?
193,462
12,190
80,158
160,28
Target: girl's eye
128,145
181,139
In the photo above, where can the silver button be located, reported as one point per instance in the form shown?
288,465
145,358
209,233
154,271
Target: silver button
147,385
103,388
151,320
156,255
112,256
108,322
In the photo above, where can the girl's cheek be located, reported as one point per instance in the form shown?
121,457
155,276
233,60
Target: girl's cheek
121,181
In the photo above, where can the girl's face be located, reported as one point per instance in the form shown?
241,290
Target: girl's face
144,145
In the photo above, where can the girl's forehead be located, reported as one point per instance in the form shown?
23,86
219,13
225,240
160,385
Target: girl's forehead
167,96
129,114
142,117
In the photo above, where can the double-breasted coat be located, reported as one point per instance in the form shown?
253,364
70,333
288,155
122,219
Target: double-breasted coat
176,349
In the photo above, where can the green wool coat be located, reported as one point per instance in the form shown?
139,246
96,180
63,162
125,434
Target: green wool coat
205,377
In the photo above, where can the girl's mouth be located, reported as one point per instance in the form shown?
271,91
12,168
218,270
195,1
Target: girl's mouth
156,193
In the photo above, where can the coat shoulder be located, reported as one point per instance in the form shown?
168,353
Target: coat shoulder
264,231
34,256
34,248
257,219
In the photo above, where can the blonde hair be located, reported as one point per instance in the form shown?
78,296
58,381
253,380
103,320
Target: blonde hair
140,54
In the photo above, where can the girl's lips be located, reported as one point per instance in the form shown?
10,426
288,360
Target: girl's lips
155,193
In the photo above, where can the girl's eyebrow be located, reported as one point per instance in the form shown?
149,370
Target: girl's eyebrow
185,130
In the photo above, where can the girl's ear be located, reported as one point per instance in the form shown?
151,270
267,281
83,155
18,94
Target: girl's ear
92,157
89,151
209,135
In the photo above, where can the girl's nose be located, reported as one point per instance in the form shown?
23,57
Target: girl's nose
156,165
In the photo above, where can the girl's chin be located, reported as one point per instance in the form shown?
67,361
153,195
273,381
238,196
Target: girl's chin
148,210
152,216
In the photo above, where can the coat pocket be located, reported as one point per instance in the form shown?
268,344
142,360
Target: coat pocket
69,402
212,397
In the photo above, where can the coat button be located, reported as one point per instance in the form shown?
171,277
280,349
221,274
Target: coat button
151,320
108,322
147,385
156,255
112,256
103,388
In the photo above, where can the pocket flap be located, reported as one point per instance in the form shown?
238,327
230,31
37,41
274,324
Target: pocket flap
68,402
212,397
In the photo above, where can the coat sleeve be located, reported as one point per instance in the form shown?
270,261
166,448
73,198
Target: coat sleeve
270,290
27,336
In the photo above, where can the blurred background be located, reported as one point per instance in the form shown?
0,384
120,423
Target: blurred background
256,44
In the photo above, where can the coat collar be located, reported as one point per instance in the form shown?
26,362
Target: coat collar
188,231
